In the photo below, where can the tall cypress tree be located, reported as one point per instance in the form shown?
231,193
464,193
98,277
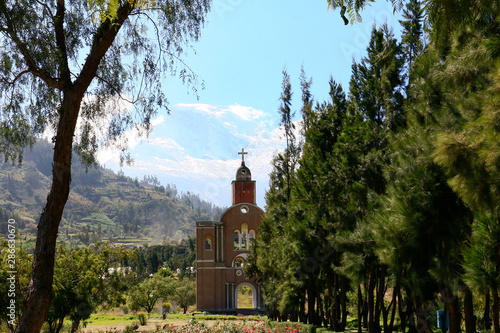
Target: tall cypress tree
376,83
291,151
412,32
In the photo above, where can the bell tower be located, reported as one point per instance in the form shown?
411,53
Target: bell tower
243,188
222,250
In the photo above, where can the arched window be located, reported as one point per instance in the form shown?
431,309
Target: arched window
239,262
244,235
251,237
208,243
236,240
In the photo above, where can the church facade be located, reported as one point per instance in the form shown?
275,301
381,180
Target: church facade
222,249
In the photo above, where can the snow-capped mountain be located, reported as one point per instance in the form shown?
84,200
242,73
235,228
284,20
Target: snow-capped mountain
196,148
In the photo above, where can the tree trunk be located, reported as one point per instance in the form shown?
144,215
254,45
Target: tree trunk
37,302
421,324
302,309
370,299
486,314
451,303
59,326
365,307
412,317
403,312
395,297
470,319
332,305
321,312
495,310
74,325
379,303
360,310
311,298
343,296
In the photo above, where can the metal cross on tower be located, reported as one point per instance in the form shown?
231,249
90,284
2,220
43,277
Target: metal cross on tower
242,153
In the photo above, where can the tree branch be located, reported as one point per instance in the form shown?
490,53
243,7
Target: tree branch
44,5
61,43
17,77
116,91
105,35
32,66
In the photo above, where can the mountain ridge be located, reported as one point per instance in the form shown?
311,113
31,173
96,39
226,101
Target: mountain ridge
102,204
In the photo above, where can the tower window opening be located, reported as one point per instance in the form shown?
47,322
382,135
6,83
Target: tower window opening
244,235
208,243
251,237
236,240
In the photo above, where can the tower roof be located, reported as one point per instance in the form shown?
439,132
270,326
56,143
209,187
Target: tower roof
243,172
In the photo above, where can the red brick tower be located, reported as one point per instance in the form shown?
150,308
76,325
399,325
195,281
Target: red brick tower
243,187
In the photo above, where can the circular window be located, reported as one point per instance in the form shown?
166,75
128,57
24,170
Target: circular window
243,171
244,209
239,272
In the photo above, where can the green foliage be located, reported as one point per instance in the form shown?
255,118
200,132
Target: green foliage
376,83
146,294
33,44
131,328
44,84
22,267
185,293
143,318
85,279
482,258
412,34
390,179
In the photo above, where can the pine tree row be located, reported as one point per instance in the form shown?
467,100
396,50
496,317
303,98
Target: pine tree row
389,209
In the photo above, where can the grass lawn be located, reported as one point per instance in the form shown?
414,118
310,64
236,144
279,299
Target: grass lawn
116,321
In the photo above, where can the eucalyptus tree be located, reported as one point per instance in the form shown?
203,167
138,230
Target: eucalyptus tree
69,63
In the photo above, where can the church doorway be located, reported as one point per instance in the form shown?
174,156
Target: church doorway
246,296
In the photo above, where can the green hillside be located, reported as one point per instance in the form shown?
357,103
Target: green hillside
102,205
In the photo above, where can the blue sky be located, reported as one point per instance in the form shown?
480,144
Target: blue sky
243,49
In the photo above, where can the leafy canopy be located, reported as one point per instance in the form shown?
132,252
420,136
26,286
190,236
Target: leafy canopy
49,50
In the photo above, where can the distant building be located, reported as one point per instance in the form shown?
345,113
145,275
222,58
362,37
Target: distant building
222,249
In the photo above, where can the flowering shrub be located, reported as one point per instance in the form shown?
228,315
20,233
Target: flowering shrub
231,327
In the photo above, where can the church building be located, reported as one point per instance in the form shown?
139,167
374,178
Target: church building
222,248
